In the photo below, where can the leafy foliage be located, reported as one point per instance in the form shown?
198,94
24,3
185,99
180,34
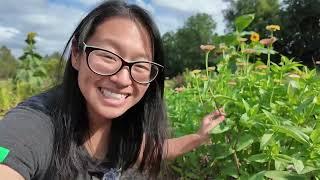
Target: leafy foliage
30,68
272,115
7,60
33,75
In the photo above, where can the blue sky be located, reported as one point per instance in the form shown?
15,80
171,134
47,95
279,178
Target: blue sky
54,20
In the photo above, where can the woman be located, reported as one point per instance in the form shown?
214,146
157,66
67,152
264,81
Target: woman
107,115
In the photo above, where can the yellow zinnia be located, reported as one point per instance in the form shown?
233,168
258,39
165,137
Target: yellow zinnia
255,37
273,27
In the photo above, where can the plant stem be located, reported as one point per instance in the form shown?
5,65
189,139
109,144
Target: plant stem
198,88
213,98
207,70
235,156
210,90
268,62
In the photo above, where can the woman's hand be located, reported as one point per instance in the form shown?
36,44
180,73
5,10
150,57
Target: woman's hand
209,122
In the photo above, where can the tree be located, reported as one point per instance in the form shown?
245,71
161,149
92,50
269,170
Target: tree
300,35
182,47
8,61
266,12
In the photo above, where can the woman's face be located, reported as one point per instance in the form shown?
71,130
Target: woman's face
109,97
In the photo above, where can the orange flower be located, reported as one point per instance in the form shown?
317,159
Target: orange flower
268,41
254,37
207,48
273,27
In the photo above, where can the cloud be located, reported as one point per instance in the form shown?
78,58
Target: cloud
146,6
214,8
52,22
7,33
168,23
207,6
90,2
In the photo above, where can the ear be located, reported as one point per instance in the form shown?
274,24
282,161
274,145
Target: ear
75,55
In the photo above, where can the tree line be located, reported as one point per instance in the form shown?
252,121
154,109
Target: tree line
299,36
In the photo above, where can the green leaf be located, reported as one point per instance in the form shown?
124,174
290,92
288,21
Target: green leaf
315,136
265,140
308,169
293,132
283,175
283,158
243,21
229,39
298,165
221,151
260,158
246,105
221,128
270,116
258,176
244,141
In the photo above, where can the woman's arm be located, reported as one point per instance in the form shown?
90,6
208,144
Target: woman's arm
178,146
8,173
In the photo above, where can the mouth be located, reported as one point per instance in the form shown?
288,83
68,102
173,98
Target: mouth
112,95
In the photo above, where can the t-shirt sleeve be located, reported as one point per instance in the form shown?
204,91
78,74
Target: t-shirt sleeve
28,136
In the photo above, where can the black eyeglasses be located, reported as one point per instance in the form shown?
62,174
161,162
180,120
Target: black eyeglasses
107,63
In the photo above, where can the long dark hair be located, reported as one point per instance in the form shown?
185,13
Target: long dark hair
146,119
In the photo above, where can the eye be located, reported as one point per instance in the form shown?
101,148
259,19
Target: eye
142,67
105,56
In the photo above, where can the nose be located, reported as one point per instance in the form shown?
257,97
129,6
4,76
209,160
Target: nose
122,78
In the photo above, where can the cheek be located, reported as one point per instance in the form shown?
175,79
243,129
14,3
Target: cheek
86,79
141,90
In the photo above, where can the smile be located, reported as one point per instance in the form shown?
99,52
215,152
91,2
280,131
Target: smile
108,94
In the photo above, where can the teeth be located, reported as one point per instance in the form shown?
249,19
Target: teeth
112,95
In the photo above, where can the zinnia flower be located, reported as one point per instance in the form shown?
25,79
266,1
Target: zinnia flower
268,41
273,27
254,37
207,48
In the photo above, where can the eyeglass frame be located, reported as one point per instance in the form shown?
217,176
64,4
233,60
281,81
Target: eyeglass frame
87,49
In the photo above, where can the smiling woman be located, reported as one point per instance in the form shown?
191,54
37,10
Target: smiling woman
107,114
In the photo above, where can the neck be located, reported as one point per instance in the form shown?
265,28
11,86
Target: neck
97,140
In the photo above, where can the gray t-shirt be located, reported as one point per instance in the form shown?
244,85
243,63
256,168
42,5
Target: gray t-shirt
26,132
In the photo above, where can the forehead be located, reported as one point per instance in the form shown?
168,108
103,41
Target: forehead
123,34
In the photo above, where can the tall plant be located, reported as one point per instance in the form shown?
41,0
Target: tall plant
31,71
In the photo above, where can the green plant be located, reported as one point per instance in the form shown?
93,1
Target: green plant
272,114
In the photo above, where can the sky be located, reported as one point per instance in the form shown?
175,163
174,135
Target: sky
55,20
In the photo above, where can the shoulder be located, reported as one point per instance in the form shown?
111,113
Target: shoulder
27,132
